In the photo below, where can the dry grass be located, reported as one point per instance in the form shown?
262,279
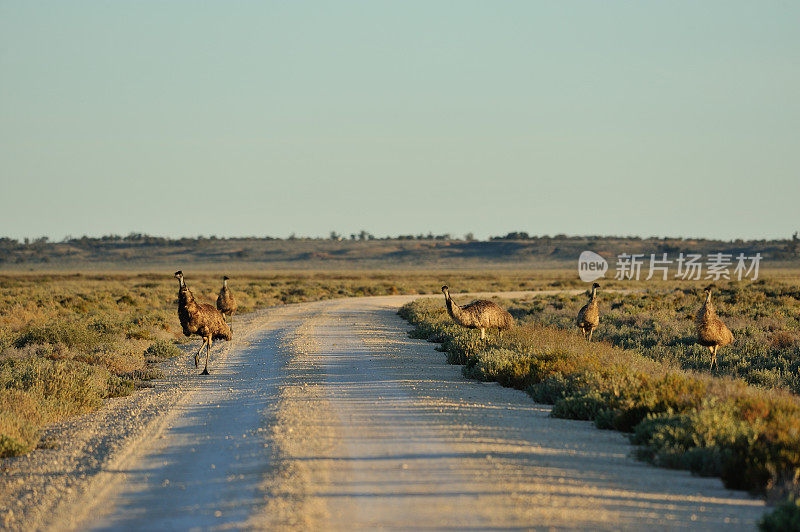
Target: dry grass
659,323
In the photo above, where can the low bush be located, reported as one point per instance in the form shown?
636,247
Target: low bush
586,406
74,334
785,518
35,391
20,419
551,389
163,349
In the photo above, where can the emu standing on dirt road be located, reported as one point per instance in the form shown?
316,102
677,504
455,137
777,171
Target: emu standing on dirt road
200,319
225,302
480,314
589,316
711,332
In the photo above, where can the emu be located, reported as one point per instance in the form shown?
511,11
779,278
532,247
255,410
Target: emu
589,316
481,314
711,332
226,304
200,319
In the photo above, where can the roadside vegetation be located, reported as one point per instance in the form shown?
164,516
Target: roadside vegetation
68,342
659,323
678,418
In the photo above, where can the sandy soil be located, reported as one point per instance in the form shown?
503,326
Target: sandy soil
327,416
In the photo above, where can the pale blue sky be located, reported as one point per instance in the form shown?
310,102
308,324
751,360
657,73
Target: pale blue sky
267,118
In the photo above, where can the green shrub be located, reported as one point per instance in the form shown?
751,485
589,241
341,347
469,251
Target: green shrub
461,349
551,389
506,367
119,386
20,418
74,335
35,391
785,518
7,338
71,386
701,440
579,406
146,374
163,349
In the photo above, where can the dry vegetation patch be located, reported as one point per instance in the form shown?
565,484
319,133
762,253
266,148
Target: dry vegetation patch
659,323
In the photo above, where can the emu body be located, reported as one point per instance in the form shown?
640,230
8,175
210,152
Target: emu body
481,314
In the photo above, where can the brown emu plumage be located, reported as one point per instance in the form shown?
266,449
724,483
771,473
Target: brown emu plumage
200,319
225,301
480,314
589,316
711,332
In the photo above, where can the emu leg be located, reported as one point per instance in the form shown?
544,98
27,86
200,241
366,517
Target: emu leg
208,350
197,355
483,333
583,332
713,356
590,334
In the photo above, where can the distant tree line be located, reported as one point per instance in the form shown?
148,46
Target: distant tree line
143,239
558,247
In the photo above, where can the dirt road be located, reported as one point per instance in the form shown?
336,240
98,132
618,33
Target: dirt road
327,416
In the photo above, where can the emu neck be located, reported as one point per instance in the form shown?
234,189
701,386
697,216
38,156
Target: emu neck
707,312
594,295
224,283
186,298
452,308
708,306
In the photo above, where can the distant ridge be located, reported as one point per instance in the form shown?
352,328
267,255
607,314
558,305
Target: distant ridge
137,251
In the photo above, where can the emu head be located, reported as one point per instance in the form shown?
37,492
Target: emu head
707,293
179,277
225,277
445,289
593,291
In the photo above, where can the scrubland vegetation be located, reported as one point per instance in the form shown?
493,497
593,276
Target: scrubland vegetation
659,323
67,342
680,418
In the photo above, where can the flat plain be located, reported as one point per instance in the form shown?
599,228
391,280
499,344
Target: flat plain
94,369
